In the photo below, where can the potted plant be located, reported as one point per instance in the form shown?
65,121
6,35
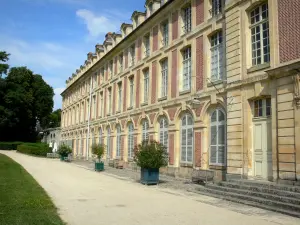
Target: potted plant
150,156
64,151
98,150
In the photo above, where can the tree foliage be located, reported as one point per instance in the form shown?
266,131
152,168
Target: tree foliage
53,120
25,100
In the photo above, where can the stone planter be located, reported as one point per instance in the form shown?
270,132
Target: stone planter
149,176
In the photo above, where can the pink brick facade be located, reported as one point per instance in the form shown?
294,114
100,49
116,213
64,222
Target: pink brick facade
198,149
199,63
175,25
155,38
199,11
174,74
139,49
153,84
289,29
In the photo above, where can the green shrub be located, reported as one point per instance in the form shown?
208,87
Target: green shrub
38,149
151,155
98,150
9,145
64,150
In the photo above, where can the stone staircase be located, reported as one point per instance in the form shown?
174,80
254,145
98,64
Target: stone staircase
279,198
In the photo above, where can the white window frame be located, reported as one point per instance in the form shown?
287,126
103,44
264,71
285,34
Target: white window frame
118,140
108,143
165,33
259,28
216,50
145,130
164,78
184,138
130,141
216,7
146,85
262,105
187,68
119,97
131,87
215,137
187,19
164,132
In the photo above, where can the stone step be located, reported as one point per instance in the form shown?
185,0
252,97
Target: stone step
261,189
266,184
251,192
251,203
260,201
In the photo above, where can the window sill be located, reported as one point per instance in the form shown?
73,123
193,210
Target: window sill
217,166
129,108
144,103
185,92
216,82
162,98
117,112
258,67
190,165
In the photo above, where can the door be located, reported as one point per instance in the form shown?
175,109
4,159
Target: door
262,148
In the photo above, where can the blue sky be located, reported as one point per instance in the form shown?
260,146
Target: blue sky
52,37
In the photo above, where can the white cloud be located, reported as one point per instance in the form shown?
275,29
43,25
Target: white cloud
98,25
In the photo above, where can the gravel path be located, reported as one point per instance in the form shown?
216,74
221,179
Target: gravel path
85,197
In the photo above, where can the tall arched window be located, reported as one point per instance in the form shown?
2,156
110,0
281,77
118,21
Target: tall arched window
145,128
187,146
130,141
108,143
118,152
100,136
163,132
217,137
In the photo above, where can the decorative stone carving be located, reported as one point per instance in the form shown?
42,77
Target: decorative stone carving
297,89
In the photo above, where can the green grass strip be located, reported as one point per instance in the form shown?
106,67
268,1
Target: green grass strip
22,200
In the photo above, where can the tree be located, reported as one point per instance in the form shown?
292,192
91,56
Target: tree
27,99
3,67
53,120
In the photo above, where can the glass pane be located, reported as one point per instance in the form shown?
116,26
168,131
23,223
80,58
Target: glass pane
213,154
190,136
183,153
268,107
214,116
213,135
221,154
221,115
221,135
189,154
183,137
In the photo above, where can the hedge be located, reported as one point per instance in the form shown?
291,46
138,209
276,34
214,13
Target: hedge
38,149
9,145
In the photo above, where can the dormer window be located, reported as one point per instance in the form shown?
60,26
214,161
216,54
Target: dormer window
150,7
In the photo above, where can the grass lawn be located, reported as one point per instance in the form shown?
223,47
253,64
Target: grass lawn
22,200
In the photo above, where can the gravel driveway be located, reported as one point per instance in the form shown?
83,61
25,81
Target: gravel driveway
85,197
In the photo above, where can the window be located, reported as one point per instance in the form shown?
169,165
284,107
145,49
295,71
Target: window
101,104
164,78
131,87
216,57
94,107
165,34
102,74
146,85
262,107
217,137
111,69
95,80
145,127
100,136
119,96
132,55
187,69
108,143
260,35
187,133
187,19
147,45
216,7
163,132
118,152
121,63
109,101
130,140
150,6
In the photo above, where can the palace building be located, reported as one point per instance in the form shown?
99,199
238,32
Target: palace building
217,82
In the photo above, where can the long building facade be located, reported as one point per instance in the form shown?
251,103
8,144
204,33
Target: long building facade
217,82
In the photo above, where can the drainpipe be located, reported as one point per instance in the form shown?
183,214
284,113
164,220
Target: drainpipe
88,125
